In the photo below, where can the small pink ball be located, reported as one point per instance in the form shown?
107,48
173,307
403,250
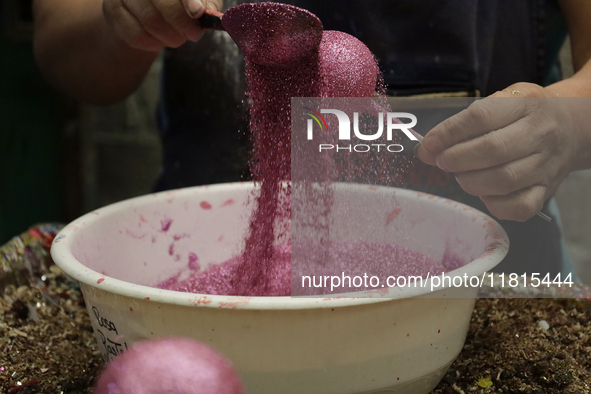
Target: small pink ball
347,67
169,365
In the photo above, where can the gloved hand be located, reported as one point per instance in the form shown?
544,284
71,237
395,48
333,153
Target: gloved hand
512,149
151,25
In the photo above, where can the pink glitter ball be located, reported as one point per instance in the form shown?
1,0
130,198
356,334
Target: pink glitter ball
169,365
347,67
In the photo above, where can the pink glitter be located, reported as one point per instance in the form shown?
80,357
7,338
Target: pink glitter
217,279
273,34
193,262
341,65
342,259
356,259
347,66
228,202
288,55
165,224
176,237
169,365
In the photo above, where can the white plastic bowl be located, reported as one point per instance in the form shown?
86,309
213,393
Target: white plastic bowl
280,344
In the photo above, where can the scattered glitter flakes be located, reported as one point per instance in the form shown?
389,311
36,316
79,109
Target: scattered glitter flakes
485,383
177,237
392,215
228,202
543,324
193,261
165,224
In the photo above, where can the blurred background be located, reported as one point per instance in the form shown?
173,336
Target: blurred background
60,159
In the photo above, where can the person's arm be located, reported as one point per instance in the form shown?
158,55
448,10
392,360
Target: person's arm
514,153
100,51
578,15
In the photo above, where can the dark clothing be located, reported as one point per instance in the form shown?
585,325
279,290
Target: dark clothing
423,46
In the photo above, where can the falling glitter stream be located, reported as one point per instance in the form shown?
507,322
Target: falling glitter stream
287,55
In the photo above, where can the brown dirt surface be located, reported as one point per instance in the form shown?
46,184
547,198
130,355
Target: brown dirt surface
46,340
47,346
508,350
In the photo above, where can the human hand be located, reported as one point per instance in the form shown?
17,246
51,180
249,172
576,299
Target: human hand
151,25
511,151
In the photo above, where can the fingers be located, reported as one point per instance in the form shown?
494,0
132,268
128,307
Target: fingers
194,8
495,148
181,17
519,206
504,179
153,22
215,5
128,28
481,117
511,152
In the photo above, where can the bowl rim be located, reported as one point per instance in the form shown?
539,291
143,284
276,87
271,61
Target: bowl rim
61,252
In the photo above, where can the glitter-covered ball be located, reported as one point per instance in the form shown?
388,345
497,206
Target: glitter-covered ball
347,66
169,365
